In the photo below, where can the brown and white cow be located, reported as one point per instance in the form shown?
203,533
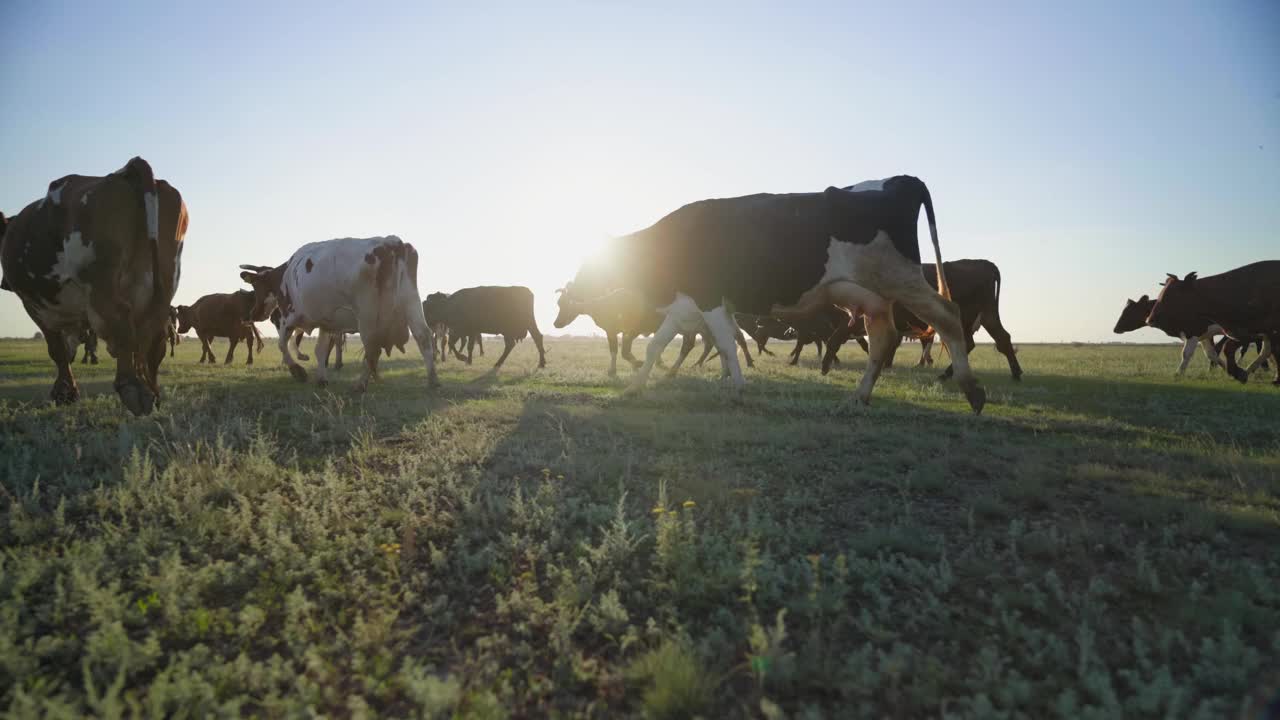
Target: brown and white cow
1191,331
102,252
364,285
1244,302
226,315
975,287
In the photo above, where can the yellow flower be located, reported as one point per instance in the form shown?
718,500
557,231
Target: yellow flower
658,509
671,512
688,504
559,477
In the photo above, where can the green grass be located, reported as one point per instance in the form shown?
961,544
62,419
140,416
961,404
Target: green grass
1104,541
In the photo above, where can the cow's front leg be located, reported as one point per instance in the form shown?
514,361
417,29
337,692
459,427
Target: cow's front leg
627,340
613,354
687,343
1188,352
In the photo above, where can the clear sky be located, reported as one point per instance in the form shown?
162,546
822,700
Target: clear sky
1087,148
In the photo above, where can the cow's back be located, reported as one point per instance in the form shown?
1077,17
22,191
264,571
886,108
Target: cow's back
324,281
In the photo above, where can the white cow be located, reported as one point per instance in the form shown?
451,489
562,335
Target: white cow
364,285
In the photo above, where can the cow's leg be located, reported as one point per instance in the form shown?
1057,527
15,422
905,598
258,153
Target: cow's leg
1188,351
1272,342
471,346
284,334
1004,343
613,354
248,341
110,318
708,349
65,390
480,344
324,344
421,333
739,338
795,352
687,344
205,350
882,337
834,343
536,334
893,351
1233,367
720,321
1212,351
681,314
627,341
508,344
155,357
297,346
339,344
232,342
944,316
1263,353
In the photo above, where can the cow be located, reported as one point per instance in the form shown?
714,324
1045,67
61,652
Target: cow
365,285
814,329
497,310
1192,332
1244,302
621,312
227,315
105,251
975,287
790,256
171,333
89,339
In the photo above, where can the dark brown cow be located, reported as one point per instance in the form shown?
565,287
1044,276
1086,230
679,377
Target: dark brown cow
505,311
101,252
975,287
1244,302
218,315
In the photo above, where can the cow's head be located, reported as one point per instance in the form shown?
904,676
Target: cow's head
570,307
184,317
266,283
1134,315
1177,304
433,308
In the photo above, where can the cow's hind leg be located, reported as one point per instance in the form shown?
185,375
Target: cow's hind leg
65,390
613,354
687,344
724,330
232,342
536,334
944,316
627,341
508,344
422,335
324,343
284,334
683,313
297,346
881,337
739,338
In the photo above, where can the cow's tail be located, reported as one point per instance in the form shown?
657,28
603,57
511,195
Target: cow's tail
927,200
139,174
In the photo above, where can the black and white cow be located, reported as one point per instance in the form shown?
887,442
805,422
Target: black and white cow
365,285
790,256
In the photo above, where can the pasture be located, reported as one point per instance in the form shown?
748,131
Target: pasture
1104,541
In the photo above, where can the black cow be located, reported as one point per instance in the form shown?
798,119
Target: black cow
791,256
505,311
1244,302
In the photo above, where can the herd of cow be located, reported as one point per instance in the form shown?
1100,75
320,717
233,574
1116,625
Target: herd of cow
101,257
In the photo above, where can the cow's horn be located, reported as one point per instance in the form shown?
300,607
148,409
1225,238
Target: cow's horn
255,268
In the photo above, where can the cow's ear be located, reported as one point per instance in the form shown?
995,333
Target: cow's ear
1127,303
248,277
1190,277
1144,299
1170,277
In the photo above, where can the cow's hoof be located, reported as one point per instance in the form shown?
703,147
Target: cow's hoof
636,364
249,361
298,373
1240,375
542,365
1017,377
976,396
137,398
65,393
338,366
93,361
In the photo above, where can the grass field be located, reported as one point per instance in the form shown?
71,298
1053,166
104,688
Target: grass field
1104,541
